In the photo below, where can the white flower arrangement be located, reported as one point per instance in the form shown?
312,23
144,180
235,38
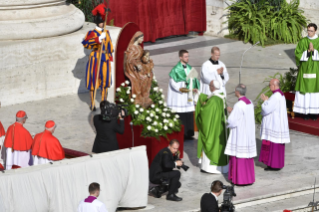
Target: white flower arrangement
123,84
176,116
161,102
155,89
157,110
156,117
168,115
165,120
153,106
121,100
162,96
165,109
161,90
147,111
163,114
136,112
128,91
127,82
118,89
137,106
134,96
155,123
171,124
151,114
156,130
149,127
132,100
165,127
141,109
165,105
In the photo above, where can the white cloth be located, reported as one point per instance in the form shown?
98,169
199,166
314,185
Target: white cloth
95,206
2,147
122,174
177,100
242,140
307,103
40,160
18,158
274,126
207,167
209,73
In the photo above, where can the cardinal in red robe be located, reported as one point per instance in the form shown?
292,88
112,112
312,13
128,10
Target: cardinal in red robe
18,143
47,148
2,136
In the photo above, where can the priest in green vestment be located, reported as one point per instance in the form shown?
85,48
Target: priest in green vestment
212,132
307,85
182,91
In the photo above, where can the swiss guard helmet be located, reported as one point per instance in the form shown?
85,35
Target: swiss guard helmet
99,13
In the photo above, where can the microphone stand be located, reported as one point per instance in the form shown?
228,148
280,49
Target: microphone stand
243,59
131,123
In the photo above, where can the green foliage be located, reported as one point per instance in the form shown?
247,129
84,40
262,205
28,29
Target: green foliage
248,21
287,23
86,6
257,20
287,83
157,120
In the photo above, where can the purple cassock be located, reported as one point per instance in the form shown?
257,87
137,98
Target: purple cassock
241,146
273,154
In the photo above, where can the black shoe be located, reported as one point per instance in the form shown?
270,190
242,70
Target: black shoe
313,117
173,197
270,169
154,192
306,117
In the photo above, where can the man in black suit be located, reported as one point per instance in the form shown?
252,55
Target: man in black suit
161,170
209,201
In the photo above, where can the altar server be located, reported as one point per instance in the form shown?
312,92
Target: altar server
47,148
274,128
92,204
213,69
241,144
307,84
2,137
18,143
178,93
93,40
212,134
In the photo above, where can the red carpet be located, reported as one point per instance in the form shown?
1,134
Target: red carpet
301,125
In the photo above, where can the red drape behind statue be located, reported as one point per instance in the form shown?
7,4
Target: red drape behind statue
160,18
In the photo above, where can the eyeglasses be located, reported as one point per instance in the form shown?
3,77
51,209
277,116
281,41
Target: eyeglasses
310,31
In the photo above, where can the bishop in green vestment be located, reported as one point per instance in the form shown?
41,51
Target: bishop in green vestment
212,136
307,84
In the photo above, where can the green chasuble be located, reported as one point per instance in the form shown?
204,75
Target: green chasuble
211,123
308,76
178,75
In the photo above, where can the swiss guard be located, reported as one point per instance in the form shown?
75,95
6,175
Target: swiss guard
94,40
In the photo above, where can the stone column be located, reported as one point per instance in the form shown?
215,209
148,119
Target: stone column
41,55
216,15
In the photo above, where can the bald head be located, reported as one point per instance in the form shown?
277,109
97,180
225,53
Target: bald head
274,84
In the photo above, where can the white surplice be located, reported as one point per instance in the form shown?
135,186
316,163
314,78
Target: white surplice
274,126
177,100
307,103
40,160
95,206
18,158
209,73
204,160
242,140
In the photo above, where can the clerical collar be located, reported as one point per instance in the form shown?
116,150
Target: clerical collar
314,37
99,29
90,199
213,61
184,66
279,91
244,99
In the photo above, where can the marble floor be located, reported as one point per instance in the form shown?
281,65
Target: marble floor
75,131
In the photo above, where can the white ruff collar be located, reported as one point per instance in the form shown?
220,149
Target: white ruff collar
314,37
99,29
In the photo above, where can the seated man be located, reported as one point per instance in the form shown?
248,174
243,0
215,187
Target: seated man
162,169
47,148
92,204
209,201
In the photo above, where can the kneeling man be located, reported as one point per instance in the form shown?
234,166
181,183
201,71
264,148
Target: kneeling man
162,169
241,144
47,148
212,132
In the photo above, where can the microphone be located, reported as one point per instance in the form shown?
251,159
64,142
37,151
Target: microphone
131,123
243,59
